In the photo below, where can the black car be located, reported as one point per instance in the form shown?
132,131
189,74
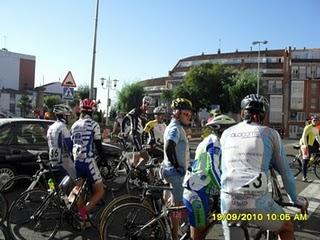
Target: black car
18,138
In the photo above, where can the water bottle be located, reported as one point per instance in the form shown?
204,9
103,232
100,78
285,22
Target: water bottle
51,184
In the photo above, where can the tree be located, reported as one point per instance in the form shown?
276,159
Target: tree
81,93
241,84
167,96
203,85
25,105
50,101
130,96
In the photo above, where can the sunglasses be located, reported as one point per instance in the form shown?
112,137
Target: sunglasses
187,114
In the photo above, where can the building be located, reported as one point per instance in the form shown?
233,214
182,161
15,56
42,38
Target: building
17,71
289,96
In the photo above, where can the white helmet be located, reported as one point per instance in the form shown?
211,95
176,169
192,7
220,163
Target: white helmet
221,121
62,109
147,99
159,110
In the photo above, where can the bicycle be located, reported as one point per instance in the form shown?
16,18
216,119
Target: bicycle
24,183
139,221
295,162
261,233
44,212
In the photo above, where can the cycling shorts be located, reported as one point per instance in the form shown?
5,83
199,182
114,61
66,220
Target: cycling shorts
263,204
197,204
88,170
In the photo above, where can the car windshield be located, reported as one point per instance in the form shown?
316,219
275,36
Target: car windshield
4,134
32,133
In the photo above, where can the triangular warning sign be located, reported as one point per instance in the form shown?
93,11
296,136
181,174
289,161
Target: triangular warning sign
68,81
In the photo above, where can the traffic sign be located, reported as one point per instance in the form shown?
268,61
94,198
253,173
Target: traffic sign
68,81
68,93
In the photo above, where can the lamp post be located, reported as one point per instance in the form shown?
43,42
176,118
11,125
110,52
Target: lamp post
91,92
108,84
258,72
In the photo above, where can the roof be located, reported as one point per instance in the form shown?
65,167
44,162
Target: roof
154,81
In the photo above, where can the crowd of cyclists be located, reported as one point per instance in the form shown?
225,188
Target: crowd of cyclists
232,161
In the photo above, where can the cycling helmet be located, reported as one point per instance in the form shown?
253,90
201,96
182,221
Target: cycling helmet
315,117
147,99
220,120
255,103
181,104
87,104
215,112
62,109
159,110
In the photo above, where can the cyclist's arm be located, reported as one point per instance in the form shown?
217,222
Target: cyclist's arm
280,163
67,139
170,150
97,140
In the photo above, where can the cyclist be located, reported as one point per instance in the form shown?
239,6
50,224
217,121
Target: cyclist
248,150
85,134
309,143
137,118
117,124
176,153
203,177
154,131
59,142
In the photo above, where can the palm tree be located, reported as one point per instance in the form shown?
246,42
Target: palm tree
25,105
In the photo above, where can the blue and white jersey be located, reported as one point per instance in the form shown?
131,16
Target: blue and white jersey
175,132
83,133
59,142
248,150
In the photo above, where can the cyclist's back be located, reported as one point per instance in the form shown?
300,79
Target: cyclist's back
248,150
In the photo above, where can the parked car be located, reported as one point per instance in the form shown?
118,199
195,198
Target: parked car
20,138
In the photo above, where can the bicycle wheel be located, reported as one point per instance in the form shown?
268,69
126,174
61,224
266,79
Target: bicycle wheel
317,168
124,222
3,208
294,164
115,203
34,215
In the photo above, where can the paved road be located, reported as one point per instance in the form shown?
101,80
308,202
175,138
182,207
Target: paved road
306,230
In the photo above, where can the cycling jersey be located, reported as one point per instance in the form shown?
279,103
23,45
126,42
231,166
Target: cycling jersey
202,181
248,150
155,131
83,133
137,120
309,135
59,142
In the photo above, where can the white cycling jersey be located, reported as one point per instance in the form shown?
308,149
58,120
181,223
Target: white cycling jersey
248,151
58,137
83,133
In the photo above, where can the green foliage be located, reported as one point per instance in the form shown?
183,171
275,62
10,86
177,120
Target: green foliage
81,93
130,96
209,84
242,84
25,105
50,101
167,95
113,113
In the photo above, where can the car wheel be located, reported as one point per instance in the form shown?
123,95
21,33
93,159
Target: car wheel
6,173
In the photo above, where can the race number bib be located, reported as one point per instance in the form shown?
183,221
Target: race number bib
257,185
55,154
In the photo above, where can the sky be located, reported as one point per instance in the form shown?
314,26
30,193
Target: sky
143,39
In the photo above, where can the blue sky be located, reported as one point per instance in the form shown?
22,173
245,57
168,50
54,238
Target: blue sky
141,39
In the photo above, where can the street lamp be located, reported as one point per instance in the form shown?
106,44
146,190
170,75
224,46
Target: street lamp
258,72
108,84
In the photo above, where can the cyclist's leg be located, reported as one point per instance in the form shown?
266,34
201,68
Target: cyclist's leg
94,177
175,179
305,156
197,207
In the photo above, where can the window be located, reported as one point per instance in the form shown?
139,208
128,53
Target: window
4,133
274,86
313,71
309,72
302,72
295,73
32,133
318,71
12,108
313,104
12,97
314,88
